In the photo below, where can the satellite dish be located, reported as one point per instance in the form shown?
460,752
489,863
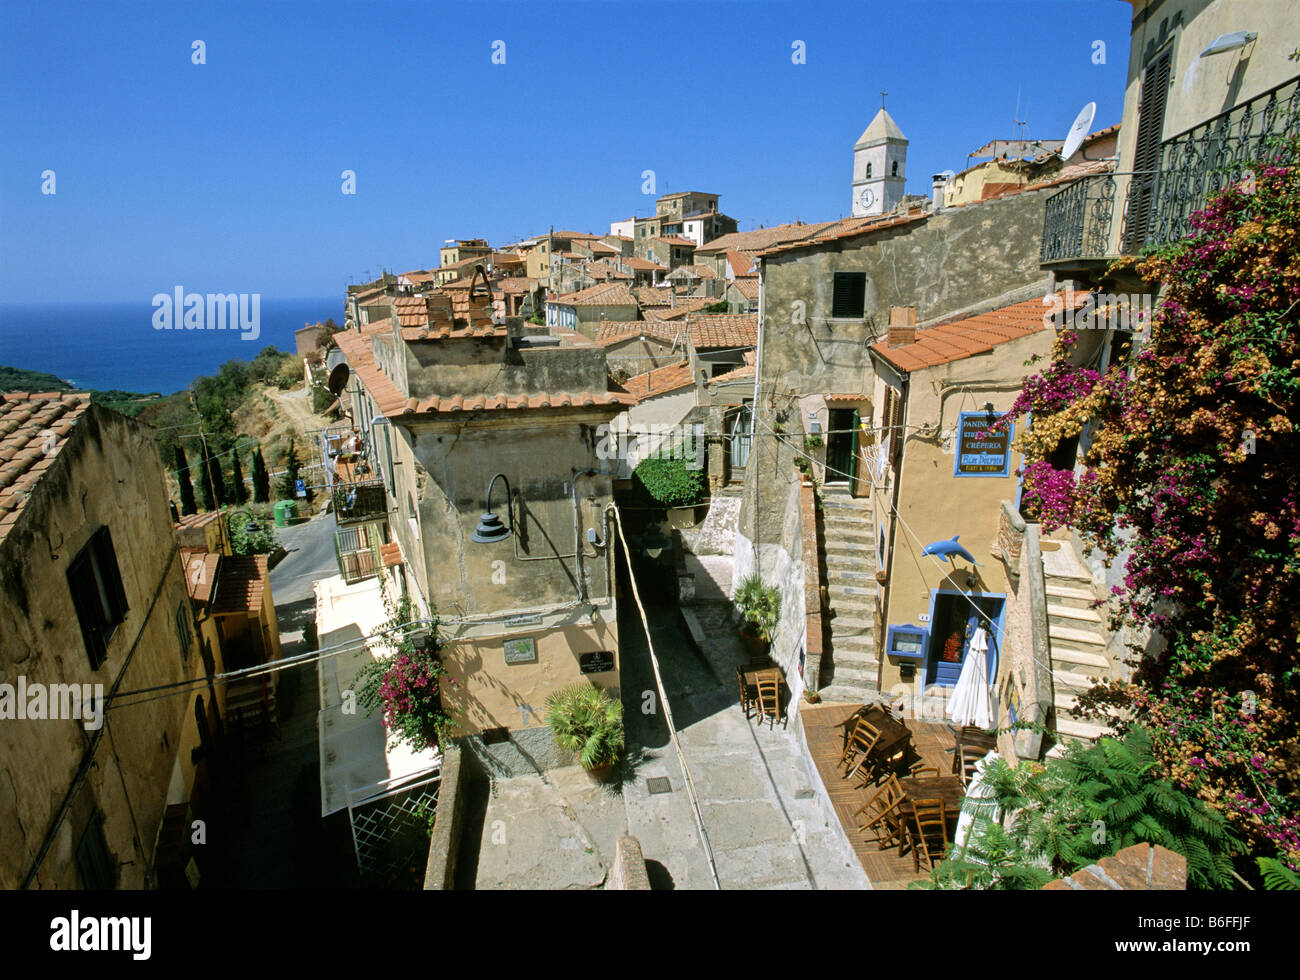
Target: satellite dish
338,379
1082,123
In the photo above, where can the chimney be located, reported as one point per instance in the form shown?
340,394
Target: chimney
939,181
902,325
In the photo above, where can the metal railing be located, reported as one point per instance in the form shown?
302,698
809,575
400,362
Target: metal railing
1101,216
361,501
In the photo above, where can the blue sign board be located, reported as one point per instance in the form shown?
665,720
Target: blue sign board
981,451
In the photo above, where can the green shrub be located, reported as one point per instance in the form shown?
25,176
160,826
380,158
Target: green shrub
587,721
670,482
760,605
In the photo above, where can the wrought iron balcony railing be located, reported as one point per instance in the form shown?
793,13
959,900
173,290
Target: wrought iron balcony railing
359,501
1101,216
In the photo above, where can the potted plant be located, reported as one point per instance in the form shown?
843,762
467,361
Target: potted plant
589,722
760,609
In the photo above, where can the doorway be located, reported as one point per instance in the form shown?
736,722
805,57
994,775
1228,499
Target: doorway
841,444
954,617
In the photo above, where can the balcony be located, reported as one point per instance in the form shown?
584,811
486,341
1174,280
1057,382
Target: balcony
359,501
1100,217
357,548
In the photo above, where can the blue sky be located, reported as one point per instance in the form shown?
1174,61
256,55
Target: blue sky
226,176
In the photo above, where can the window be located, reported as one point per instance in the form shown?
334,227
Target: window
183,634
95,865
895,170
849,295
97,594
868,169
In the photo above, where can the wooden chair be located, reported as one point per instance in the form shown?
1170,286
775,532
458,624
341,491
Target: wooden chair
973,738
968,756
861,743
929,833
747,692
881,820
920,771
768,697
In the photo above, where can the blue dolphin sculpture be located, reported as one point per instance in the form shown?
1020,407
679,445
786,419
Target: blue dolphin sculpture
945,550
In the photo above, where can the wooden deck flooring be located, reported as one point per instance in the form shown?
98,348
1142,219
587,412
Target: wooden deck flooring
821,728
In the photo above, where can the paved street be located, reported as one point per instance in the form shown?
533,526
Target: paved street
760,807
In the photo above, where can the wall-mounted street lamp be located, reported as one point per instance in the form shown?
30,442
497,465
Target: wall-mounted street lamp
653,542
490,528
1227,42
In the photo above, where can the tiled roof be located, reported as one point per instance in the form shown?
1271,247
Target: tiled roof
601,294
456,311
761,238
410,311
596,245
715,330
390,554
692,272
608,334
660,381
644,265
741,263
361,359
653,295
674,240
197,520
747,286
33,430
848,228
685,305
746,370
504,402
607,269
969,336
241,580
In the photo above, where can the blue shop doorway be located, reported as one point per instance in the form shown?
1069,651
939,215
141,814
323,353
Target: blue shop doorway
953,619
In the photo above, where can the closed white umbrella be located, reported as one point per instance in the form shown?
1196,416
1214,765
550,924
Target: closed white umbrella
970,704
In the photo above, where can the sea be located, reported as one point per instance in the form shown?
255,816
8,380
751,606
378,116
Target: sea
115,345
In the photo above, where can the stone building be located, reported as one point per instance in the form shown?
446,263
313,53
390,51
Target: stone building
91,594
485,432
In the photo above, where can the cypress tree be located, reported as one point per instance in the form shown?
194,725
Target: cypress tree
206,490
219,481
238,492
289,483
261,480
188,506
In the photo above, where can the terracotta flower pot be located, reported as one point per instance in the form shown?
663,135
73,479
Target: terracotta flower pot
601,773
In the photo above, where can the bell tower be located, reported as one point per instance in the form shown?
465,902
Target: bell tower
879,166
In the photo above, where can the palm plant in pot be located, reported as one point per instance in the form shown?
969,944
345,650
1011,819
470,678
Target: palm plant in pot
589,722
760,609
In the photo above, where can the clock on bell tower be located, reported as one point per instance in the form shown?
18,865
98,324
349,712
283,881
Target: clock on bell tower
879,167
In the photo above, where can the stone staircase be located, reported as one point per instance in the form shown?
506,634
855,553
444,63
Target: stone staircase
1079,639
850,556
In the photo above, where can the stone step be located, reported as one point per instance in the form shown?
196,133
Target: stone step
852,533
1080,729
844,622
1088,637
1073,614
848,694
849,613
856,659
845,546
845,591
1066,680
848,575
842,501
1083,658
1069,595
855,674
1067,579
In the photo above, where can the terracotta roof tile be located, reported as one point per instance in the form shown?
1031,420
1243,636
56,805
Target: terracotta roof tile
613,333
33,431
714,330
963,338
746,370
390,554
660,381
201,569
747,286
241,582
602,294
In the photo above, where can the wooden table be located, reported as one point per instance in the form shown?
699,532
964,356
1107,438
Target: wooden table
893,733
752,675
946,788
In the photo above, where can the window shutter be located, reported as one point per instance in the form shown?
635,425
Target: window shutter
108,568
85,599
848,298
1146,157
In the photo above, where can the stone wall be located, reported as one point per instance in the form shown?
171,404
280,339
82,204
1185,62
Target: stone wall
1142,867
